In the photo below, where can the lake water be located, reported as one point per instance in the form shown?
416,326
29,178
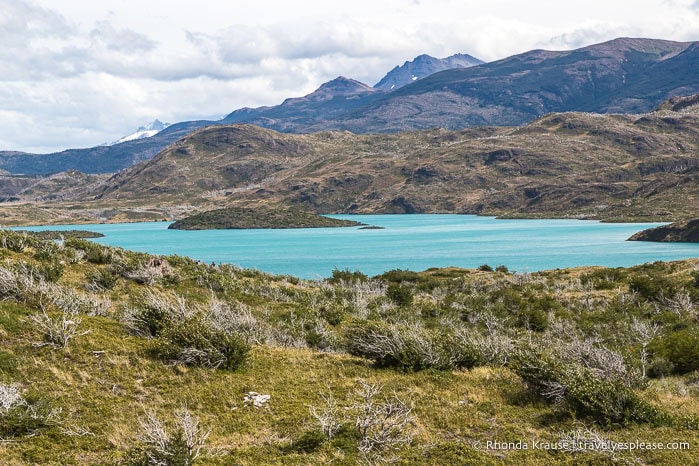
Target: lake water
414,242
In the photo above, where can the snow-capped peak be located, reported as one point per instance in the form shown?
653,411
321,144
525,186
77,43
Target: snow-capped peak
151,129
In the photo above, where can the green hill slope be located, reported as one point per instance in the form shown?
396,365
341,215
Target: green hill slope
115,357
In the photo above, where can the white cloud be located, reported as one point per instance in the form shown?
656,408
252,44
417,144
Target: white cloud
80,72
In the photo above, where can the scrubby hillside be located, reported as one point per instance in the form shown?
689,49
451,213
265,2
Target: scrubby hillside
109,356
568,165
682,232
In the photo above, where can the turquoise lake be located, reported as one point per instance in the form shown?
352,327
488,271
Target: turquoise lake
414,242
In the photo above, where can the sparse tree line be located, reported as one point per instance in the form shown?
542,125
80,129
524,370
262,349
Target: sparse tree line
586,343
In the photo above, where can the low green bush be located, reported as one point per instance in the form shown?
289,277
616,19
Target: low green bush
194,342
347,276
681,349
606,400
653,286
402,295
94,253
102,279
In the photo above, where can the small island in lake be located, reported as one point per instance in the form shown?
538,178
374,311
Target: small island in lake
679,232
63,234
240,218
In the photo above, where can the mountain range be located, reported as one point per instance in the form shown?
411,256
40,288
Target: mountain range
620,76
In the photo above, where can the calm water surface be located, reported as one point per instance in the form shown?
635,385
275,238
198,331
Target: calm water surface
413,242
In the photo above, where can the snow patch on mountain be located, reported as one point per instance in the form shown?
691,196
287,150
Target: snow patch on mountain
151,129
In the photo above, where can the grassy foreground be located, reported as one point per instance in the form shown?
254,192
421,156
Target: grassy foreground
114,357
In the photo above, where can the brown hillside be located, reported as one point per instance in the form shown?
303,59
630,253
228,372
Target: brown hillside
571,164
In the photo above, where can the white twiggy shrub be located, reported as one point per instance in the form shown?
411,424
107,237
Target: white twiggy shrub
236,318
155,437
58,330
383,425
329,416
584,439
195,435
137,318
365,293
10,397
643,333
682,304
163,444
594,356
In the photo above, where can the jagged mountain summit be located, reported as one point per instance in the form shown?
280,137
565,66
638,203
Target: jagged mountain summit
421,67
624,75
147,131
327,103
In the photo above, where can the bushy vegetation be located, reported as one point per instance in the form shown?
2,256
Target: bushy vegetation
447,354
259,217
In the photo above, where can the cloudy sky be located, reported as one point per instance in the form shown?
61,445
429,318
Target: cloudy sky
78,73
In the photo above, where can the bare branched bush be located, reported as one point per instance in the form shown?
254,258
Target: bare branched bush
329,416
236,318
14,241
494,348
18,416
383,424
643,333
149,272
74,256
364,294
10,397
600,360
10,287
584,439
148,314
59,329
183,444
681,304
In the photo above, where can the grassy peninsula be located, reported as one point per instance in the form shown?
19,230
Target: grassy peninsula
677,232
264,217
64,234
115,357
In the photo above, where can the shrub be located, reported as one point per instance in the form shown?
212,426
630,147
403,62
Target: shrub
58,329
346,276
332,313
485,268
15,241
606,400
101,280
502,268
149,313
603,279
680,348
653,286
407,348
401,295
398,276
533,319
181,446
51,272
194,342
94,252
20,415
660,367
